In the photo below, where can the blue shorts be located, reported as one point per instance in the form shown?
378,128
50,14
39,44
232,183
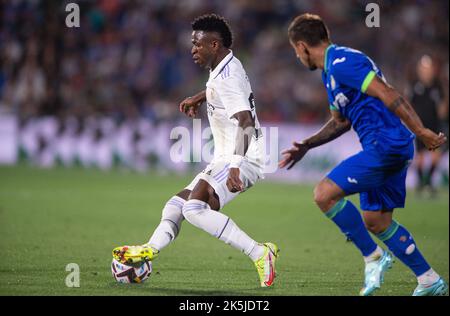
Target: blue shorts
379,178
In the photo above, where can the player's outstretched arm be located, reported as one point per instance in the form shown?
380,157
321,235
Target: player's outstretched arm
398,105
245,132
334,128
190,105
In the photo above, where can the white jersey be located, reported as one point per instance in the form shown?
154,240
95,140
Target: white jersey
228,92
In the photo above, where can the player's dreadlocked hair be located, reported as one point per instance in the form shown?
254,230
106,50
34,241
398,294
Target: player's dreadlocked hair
309,28
214,23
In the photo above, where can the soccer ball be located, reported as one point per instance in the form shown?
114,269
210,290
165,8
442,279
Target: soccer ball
136,273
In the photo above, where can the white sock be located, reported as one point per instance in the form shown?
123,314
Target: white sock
170,224
428,277
199,214
374,255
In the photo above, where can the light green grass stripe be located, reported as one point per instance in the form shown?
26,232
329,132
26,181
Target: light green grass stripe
388,233
367,81
336,208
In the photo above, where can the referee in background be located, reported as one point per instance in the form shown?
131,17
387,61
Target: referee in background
428,100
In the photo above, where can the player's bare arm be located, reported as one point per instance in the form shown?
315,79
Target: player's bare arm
398,105
334,128
244,136
190,105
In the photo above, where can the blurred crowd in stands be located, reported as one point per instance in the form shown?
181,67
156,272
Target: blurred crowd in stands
131,58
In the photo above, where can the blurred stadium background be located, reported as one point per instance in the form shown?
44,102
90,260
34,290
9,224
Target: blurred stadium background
105,96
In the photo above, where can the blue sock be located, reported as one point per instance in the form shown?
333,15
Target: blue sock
401,243
347,217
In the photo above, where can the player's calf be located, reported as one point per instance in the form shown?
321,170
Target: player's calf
170,225
402,244
199,214
166,232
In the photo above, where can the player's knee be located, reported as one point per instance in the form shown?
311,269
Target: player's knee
192,211
173,207
173,210
374,226
322,198
376,223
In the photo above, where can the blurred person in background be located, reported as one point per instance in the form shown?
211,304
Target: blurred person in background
428,101
110,55
110,68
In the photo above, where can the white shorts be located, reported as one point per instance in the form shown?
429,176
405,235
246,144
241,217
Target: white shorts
216,174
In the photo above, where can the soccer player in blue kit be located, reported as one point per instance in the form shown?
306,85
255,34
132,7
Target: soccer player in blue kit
360,97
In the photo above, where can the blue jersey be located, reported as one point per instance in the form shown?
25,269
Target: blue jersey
347,75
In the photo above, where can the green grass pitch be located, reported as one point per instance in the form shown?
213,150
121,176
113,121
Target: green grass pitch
50,218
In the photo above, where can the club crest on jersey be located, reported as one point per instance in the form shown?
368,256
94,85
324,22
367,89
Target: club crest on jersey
211,93
210,109
333,83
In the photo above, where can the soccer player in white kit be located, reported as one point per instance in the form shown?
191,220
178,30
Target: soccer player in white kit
238,156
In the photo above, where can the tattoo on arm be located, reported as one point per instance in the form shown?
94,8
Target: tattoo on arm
397,103
407,114
330,131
